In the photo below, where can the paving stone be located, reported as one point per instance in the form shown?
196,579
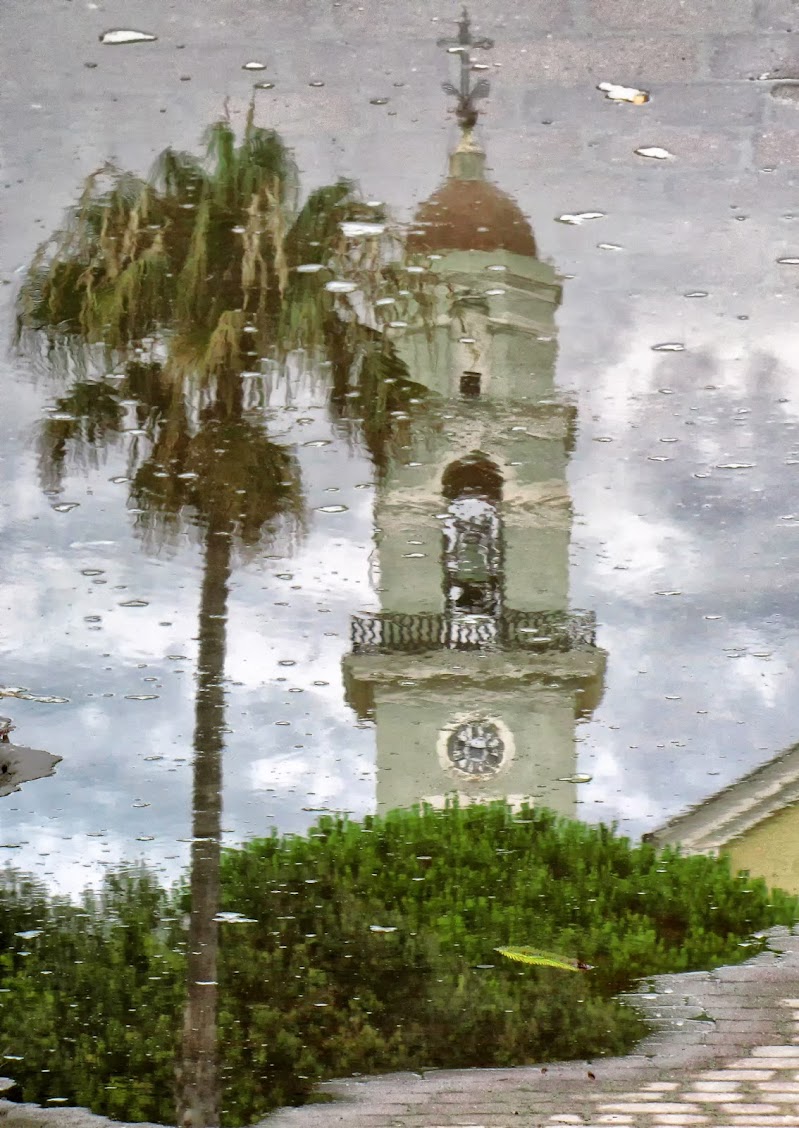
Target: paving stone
725,1086
711,1098
737,1074
777,15
673,15
745,57
767,1063
752,1109
573,61
641,1106
778,147
678,1118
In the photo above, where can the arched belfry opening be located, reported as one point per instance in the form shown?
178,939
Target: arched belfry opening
472,488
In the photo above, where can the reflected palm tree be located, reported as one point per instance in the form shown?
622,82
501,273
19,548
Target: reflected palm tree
177,286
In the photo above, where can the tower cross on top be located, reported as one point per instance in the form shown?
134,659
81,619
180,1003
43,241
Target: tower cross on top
468,94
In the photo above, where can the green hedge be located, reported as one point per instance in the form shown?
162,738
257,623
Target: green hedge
310,989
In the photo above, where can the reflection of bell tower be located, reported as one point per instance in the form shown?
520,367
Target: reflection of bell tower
474,669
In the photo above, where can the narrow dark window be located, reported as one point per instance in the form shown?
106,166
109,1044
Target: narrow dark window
470,385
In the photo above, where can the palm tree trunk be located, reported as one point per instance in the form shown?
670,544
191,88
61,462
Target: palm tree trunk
198,1090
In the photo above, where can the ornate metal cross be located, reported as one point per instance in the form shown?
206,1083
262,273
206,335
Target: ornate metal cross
467,95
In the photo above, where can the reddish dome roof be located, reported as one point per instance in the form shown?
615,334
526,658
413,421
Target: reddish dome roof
471,215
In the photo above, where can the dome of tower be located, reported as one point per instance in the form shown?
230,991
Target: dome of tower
469,213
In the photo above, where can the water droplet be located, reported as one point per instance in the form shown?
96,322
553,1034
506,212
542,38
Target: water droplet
734,466
316,82
332,509
65,506
287,662
354,228
146,838
317,443
263,86
116,35
253,65
655,152
92,571
141,697
119,479
339,287
616,93
788,261
139,803
378,101
31,934
578,218
579,777
696,294
669,346
135,603
381,928
234,918
609,247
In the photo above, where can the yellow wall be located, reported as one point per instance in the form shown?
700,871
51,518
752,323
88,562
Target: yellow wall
771,850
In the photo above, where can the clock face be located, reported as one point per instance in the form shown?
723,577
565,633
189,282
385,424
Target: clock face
476,748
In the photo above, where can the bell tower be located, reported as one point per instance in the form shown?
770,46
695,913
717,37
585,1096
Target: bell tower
475,669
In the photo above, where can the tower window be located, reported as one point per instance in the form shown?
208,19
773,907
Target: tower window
470,385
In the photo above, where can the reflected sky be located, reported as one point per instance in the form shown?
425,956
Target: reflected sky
682,479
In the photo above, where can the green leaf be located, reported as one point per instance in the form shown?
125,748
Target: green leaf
537,958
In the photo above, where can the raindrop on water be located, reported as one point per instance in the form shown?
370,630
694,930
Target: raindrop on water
135,603
655,152
577,218
65,506
340,287
117,35
353,229
253,65
331,509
